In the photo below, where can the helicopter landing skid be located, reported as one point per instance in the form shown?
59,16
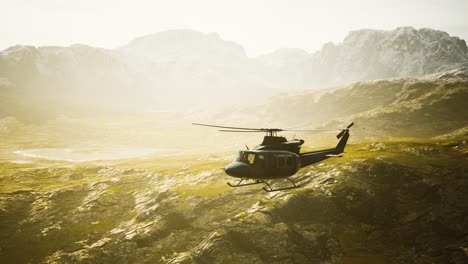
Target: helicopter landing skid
245,184
268,188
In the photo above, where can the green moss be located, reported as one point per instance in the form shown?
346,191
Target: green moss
268,202
305,190
132,214
101,225
241,215
350,237
202,190
364,259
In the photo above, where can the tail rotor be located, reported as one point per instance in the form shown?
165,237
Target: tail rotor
344,130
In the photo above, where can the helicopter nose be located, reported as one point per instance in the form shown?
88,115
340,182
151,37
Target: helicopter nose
238,169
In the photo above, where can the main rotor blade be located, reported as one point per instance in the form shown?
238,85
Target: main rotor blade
240,128
298,126
342,129
225,130
313,129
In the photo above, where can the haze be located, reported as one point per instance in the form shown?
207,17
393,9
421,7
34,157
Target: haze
261,26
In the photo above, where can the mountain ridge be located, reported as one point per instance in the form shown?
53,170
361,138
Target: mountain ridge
400,107
154,70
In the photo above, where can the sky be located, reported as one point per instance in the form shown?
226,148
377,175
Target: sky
260,26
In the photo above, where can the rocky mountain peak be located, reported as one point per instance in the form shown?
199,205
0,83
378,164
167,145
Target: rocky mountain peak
363,36
19,52
368,54
183,44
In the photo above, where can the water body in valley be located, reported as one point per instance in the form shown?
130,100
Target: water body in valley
83,155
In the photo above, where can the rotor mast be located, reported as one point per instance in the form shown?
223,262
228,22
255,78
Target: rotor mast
272,132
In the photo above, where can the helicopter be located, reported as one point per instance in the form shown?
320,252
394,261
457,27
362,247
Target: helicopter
276,157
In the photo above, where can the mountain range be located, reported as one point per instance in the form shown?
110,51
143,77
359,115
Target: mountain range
180,69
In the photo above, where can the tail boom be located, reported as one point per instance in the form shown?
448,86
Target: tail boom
312,157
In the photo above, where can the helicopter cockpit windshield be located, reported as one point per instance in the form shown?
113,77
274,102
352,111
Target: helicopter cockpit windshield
250,158
245,157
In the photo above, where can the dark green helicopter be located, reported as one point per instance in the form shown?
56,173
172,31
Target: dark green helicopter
276,157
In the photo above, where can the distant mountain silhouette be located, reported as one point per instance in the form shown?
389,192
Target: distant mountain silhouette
183,69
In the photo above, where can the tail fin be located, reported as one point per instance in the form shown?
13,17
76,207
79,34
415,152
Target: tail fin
341,145
344,135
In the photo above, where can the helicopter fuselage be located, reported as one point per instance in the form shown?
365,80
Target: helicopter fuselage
278,160
264,164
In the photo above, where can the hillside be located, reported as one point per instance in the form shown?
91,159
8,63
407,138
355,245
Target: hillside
424,107
384,202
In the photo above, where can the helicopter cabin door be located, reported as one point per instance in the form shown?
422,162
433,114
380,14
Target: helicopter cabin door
284,165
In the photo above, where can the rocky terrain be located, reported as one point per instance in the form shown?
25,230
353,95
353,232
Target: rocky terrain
394,201
146,72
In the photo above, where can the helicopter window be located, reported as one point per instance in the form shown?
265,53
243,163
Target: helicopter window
284,161
251,158
238,156
241,156
260,160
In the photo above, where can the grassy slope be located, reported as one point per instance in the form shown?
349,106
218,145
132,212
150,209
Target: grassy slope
406,195
421,109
